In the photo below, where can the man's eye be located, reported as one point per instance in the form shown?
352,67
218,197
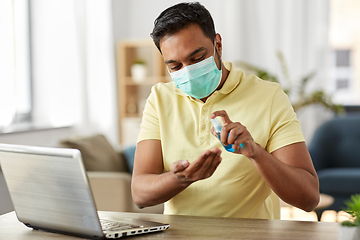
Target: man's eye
177,67
199,59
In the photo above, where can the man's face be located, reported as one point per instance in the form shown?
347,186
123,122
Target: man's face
186,47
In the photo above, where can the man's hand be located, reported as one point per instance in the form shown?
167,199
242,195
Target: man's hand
235,133
152,186
203,167
288,170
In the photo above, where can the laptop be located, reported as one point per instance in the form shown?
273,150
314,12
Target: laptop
50,191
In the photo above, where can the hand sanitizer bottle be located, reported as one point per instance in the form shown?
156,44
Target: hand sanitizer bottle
217,126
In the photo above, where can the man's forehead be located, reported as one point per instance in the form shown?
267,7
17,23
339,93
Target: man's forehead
184,42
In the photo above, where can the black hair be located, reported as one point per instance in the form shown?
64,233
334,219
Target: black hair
180,16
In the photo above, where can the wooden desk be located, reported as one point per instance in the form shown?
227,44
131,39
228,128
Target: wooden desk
188,227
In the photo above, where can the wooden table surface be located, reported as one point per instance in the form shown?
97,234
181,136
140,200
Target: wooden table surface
189,227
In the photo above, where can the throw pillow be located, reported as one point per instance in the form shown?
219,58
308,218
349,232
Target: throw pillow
97,153
129,154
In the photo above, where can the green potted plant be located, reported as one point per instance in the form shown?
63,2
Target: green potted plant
303,98
350,229
138,71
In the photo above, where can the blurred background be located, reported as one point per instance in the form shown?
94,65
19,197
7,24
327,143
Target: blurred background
64,63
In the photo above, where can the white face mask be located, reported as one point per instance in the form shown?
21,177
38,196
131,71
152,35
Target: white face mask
198,80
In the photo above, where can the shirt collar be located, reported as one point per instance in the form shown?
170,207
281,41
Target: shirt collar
233,79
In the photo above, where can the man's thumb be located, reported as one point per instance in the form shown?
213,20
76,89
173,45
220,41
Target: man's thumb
179,165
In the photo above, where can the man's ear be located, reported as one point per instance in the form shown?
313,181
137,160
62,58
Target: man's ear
218,44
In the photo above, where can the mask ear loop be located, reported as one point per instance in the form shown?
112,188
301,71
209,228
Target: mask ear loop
215,51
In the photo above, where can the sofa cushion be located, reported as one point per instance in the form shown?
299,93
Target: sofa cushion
129,154
97,153
335,143
339,180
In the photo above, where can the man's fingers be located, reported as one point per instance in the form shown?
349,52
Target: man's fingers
203,167
212,131
207,164
197,164
179,166
216,150
235,130
210,163
236,134
223,114
213,166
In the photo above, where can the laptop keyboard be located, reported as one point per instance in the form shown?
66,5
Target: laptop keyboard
108,225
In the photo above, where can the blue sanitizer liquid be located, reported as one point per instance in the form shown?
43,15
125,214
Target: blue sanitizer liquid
217,126
228,147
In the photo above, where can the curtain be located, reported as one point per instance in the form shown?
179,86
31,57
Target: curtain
7,65
254,30
15,94
95,44
73,66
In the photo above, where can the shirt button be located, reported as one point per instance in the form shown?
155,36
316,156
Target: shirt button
203,127
205,109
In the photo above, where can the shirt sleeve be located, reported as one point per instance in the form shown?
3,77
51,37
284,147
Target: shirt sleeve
285,127
150,128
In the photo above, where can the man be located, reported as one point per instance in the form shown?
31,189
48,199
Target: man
179,162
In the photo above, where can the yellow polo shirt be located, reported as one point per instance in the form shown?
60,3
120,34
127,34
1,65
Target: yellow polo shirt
182,123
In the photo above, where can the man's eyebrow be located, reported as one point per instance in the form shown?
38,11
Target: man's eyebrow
196,51
169,61
200,49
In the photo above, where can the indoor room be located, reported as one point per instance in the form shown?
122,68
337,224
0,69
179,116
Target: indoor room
78,74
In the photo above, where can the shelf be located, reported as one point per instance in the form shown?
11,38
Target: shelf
132,95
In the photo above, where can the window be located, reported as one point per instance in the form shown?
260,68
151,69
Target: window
342,71
345,44
15,75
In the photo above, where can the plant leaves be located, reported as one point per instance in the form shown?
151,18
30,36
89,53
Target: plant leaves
316,97
353,208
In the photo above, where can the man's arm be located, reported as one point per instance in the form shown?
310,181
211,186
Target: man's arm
288,171
151,185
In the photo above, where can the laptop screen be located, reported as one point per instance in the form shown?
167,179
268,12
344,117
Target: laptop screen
49,188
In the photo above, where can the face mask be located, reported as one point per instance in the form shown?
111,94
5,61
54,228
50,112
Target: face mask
198,80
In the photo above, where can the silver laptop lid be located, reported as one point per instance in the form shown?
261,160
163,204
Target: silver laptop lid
49,189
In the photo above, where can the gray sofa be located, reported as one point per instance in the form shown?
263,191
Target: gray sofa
335,151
